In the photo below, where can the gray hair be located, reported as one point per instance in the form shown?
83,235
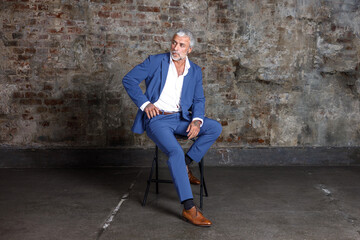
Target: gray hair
185,32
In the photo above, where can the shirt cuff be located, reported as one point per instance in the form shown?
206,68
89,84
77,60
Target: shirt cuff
202,121
144,105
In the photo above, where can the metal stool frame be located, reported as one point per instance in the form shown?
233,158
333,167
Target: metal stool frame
155,165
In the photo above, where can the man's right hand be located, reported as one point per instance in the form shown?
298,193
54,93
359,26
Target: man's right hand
151,110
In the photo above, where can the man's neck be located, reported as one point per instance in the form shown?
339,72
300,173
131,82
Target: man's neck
180,66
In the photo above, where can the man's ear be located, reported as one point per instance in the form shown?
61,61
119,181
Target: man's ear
190,49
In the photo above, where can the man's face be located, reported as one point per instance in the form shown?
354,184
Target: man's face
180,47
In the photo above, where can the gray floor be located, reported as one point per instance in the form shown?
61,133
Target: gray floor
244,203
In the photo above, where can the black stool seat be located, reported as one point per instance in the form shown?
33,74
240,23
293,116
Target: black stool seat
157,180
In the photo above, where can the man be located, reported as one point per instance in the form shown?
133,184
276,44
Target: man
174,103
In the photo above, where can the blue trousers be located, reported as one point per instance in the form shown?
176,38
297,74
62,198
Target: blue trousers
161,130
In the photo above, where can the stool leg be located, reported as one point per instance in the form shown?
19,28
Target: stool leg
201,166
203,177
150,178
157,168
206,192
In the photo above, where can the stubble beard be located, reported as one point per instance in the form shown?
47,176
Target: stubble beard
178,58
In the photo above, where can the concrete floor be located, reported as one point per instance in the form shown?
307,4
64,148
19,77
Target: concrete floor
244,203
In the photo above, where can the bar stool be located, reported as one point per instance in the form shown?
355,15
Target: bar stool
155,166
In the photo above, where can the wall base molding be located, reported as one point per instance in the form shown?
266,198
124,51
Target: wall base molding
139,157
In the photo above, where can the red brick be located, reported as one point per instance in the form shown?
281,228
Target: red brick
32,22
27,117
223,20
42,95
30,94
23,57
30,101
140,16
106,7
54,14
24,71
177,25
53,110
41,109
166,24
148,9
133,38
66,37
115,15
224,123
42,7
22,7
103,14
153,30
174,10
128,15
43,37
76,30
69,23
127,23
48,87
53,30
53,101
222,5
18,50
18,95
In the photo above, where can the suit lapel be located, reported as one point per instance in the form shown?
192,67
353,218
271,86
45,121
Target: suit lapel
186,83
164,71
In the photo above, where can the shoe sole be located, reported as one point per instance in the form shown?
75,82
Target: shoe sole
187,220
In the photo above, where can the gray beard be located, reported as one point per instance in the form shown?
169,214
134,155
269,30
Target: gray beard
177,59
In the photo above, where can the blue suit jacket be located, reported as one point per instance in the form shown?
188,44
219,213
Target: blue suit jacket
154,71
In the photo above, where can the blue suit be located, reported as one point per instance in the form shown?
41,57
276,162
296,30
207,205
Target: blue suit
161,129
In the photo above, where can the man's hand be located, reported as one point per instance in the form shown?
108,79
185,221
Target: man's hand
151,110
193,129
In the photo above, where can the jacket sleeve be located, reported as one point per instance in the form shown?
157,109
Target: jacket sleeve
198,107
132,80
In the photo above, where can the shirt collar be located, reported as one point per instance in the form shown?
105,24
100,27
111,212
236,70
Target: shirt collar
187,64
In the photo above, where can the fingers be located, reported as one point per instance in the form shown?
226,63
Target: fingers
151,110
188,128
193,130
192,134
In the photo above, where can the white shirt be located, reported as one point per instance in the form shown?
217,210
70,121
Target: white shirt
170,97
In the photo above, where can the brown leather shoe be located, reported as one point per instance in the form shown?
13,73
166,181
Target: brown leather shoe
194,216
193,179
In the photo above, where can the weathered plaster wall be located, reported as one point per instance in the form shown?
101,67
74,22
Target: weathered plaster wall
276,72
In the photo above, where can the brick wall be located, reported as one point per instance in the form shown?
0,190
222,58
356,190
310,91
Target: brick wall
276,73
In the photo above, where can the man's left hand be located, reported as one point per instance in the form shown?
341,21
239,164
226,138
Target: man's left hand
193,129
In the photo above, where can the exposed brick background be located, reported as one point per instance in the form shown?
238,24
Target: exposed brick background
276,72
